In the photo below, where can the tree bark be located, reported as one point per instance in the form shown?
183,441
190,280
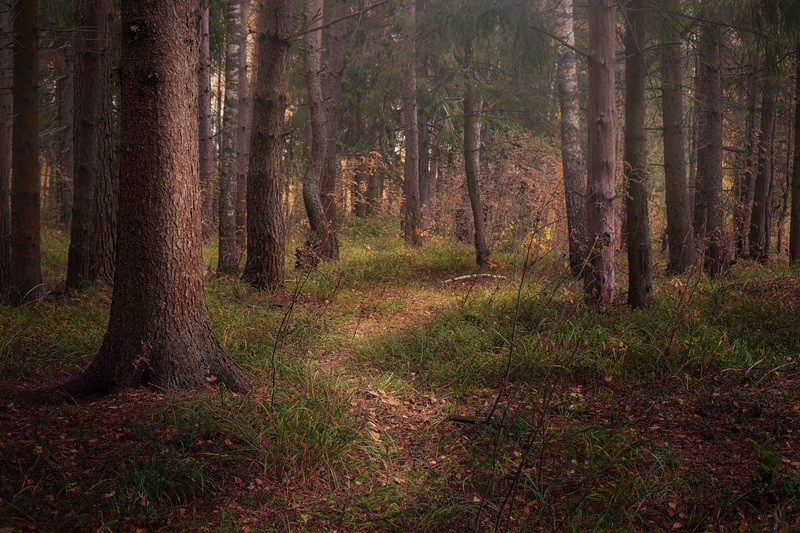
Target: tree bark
760,219
228,257
94,212
794,225
572,158
709,150
743,192
206,136
678,199
319,243
6,119
245,131
66,153
601,121
26,273
266,235
159,333
473,107
410,210
640,267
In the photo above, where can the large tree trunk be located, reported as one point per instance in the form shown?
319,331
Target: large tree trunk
266,235
329,184
601,161
6,117
206,136
410,209
26,272
678,199
572,158
159,333
709,151
473,107
762,190
66,153
93,213
320,242
743,187
640,267
228,257
794,227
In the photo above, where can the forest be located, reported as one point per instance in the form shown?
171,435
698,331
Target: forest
400,265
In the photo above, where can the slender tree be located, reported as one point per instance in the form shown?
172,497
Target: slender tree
6,116
206,136
159,333
573,161
229,171
743,186
640,268
411,207
66,154
244,132
601,160
266,239
794,227
26,273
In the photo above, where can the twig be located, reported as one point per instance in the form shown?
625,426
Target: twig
471,276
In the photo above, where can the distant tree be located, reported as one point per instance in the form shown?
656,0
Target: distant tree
640,267
66,118
411,206
6,118
159,333
794,232
26,273
744,179
601,118
244,132
206,135
266,239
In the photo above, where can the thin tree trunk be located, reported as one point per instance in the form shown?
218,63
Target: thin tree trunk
678,198
425,190
26,273
601,118
709,152
228,257
794,225
266,234
640,268
245,130
206,140
410,210
473,107
319,242
744,186
66,155
572,158
6,119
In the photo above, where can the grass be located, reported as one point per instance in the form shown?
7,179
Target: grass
680,416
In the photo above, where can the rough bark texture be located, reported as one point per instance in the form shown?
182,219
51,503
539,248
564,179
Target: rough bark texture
473,107
94,211
159,333
66,154
743,188
329,185
763,188
410,210
6,114
601,160
244,132
680,236
319,243
206,140
709,150
266,235
229,172
572,158
640,267
26,273
794,227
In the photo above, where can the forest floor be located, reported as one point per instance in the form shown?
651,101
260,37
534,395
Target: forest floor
682,417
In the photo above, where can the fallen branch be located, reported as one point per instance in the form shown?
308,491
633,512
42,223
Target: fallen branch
471,276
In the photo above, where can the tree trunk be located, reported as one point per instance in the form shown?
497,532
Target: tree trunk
473,107
601,121
159,333
26,273
794,225
425,190
762,190
709,150
266,234
6,119
206,136
94,211
329,185
678,199
640,267
572,158
319,243
66,154
743,192
236,40
245,131
410,210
